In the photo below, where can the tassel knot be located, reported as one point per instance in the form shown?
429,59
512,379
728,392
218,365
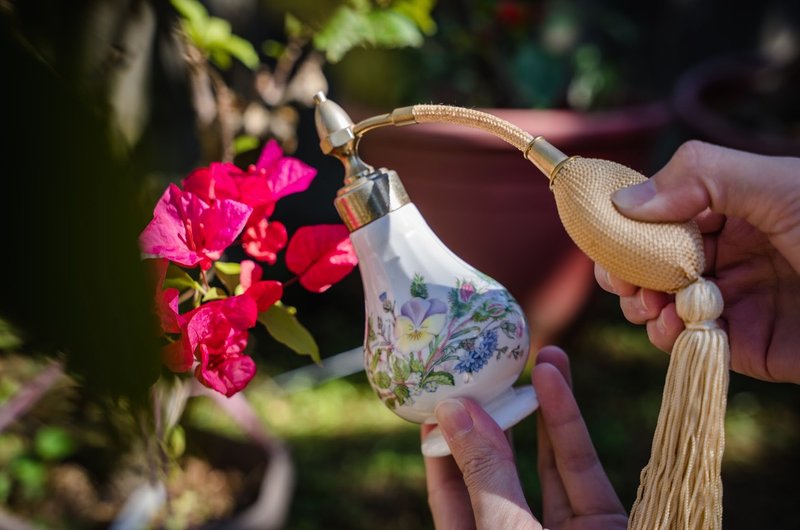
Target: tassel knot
699,302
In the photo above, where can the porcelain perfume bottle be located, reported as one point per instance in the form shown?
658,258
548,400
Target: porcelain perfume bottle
435,327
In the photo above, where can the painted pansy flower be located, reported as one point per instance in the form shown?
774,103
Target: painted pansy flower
419,322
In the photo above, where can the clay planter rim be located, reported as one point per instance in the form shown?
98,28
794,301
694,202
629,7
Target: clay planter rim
699,84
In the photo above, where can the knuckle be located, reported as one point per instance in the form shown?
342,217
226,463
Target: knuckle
698,160
483,466
580,462
692,151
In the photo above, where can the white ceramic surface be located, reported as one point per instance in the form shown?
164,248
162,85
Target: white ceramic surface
436,327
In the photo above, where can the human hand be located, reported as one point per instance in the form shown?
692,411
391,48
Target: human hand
748,209
478,487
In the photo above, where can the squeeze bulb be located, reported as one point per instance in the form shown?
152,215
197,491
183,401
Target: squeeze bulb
436,327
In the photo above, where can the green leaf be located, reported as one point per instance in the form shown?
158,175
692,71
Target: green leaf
401,369
272,48
228,274
220,57
391,403
11,446
292,26
191,10
419,11
480,316
5,487
244,143
229,268
176,442
376,358
442,378
393,30
242,50
218,31
214,293
284,327
178,278
344,30
31,475
402,393
416,365
418,288
9,339
53,443
382,380
462,332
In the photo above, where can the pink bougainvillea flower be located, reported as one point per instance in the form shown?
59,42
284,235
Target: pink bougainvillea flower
176,357
167,310
188,231
166,300
225,181
266,292
215,182
227,374
215,334
285,174
320,255
274,176
263,240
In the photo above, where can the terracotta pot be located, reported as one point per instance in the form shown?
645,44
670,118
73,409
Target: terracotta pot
494,209
743,103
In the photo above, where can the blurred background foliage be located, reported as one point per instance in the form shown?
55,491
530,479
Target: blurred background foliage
103,104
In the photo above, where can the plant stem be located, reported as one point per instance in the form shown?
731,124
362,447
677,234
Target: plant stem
30,393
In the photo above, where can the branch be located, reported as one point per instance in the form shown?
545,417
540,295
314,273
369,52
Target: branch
30,394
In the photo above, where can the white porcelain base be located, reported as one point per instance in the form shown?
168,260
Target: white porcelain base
507,410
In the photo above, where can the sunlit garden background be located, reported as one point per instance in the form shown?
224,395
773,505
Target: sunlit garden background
106,103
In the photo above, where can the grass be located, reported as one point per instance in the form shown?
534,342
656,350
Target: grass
359,465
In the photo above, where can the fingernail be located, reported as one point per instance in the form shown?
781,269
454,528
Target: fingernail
609,283
661,326
634,196
453,417
642,300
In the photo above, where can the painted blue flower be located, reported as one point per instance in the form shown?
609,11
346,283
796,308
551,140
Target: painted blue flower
476,359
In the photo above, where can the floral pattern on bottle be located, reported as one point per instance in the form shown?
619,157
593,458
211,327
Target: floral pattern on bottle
427,342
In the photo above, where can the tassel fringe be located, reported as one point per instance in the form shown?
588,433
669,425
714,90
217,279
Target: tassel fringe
681,487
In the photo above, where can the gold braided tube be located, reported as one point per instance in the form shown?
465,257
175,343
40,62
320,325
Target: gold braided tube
473,118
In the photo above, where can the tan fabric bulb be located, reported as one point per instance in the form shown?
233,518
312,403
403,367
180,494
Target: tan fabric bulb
659,256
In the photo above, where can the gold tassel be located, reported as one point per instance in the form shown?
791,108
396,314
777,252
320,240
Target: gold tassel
681,485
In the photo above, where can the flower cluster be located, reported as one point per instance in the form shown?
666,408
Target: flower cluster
476,358
193,226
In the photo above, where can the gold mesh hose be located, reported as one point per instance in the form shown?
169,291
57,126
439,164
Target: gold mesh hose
680,486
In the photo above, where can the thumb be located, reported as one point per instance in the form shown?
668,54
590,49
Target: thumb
485,459
762,190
